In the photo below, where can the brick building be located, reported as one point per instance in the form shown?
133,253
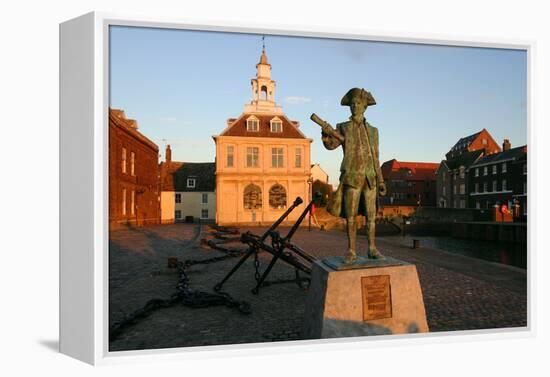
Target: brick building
188,190
452,180
133,174
499,178
409,183
519,185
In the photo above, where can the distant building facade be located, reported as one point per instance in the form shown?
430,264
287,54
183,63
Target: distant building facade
262,159
188,190
133,174
500,179
452,178
318,174
409,183
319,184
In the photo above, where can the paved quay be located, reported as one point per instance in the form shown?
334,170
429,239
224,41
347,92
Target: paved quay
460,293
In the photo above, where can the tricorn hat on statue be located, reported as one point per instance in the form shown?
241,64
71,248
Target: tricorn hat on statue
365,96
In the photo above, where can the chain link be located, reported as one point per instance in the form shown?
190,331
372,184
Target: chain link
256,266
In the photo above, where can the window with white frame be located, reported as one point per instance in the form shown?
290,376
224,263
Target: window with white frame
476,187
252,157
485,186
191,182
204,198
276,157
504,168
277,197
123,202
229,161
504,185
477,172
485,170
276,125
178,198
298,158
462,172
462,188
462,203
177,214
132,163
133,202
494,169
494,185
252,197
204,213
124,162
252,125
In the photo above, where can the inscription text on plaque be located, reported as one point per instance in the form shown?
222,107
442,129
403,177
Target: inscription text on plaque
376,297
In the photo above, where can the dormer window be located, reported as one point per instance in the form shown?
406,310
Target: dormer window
276,125
252,124
191,182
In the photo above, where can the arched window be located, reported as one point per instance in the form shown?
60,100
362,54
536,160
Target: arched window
252,197
277,197
264,93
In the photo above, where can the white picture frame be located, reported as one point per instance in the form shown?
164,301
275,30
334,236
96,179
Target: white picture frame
84,188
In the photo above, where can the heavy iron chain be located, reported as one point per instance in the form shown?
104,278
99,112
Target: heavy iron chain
184,295
256,266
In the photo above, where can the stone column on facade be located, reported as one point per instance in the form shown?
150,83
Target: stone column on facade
240,204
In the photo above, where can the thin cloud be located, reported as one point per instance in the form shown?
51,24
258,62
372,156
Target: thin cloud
296,100
168,119
356,53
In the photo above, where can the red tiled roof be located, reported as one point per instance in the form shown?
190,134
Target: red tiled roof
238,128
394,169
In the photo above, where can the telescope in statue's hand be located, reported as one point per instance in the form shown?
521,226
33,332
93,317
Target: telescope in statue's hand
327,128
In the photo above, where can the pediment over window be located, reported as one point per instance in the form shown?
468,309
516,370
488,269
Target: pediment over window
252,124
276,125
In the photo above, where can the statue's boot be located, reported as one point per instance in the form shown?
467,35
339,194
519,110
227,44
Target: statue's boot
375,254
351,257
371,234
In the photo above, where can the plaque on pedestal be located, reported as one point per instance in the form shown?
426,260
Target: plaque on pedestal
369,297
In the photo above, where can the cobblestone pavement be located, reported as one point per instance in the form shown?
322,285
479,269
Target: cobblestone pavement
460,293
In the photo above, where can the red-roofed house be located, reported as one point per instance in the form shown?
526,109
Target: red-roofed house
409,183
262,159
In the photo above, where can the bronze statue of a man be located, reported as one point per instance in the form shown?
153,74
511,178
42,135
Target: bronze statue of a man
360,175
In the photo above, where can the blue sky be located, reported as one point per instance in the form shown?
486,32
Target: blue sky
181,86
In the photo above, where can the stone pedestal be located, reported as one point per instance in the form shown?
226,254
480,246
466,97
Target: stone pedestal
370,297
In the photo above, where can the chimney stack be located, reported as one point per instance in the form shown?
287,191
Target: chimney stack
506,145
168,156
